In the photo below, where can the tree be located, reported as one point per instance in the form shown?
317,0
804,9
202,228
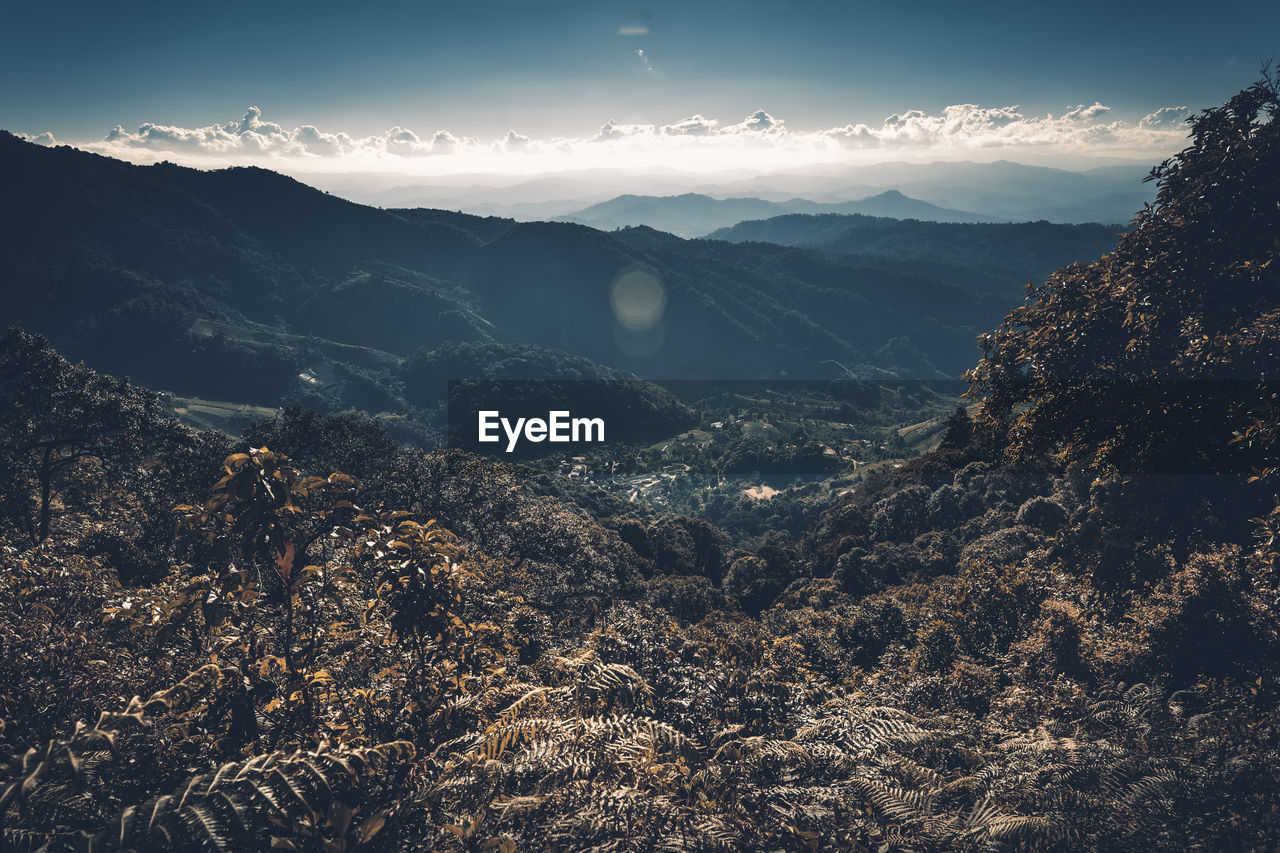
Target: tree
55,414
959,430
348,443
1149,357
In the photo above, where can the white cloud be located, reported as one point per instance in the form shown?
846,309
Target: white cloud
513,142
759,122
613,130
444,142
45,138
315,142
1167,117
633,31
1083,113
403,142
961,127
251,137
760,140
694,125
853,136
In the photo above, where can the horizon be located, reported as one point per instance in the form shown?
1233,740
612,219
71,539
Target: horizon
926,186
510,92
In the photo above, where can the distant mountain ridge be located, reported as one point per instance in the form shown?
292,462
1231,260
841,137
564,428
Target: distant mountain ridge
1007,191
695,214
1001,190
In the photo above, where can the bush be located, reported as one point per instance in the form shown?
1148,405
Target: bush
689,599
751,582
901,515
951,505
876,623
1007,546
1042,512
1207,618
936,648
1058,642
972,686
687,546
132,565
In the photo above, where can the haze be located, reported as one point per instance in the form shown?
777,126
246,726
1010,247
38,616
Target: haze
705,95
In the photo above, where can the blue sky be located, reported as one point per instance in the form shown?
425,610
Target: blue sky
560,70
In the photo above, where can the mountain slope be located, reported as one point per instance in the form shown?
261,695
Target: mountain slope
231,284
989,257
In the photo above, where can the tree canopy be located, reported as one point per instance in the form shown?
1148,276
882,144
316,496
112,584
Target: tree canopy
56,413
1159,354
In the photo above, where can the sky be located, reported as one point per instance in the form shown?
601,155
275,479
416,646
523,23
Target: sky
519,87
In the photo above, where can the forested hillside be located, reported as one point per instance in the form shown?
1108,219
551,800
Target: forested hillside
228,285
1057,631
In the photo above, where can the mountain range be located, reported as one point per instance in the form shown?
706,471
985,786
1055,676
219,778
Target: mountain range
246,285
997,191
694,214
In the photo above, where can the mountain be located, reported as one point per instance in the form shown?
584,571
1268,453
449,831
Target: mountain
695,214
244,285
526,198
989,257
1018,192
688,215
894,204
967,191
1060,629
1000,190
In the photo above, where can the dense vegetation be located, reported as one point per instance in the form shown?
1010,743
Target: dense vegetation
1057,631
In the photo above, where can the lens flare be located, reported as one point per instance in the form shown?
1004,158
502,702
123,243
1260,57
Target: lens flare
638,300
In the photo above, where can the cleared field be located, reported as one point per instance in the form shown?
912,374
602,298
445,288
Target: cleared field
231,418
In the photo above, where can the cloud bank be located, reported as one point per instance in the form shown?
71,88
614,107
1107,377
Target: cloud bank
697,141
1082,129
252,137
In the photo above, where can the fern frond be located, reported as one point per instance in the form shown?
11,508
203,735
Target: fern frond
237,806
